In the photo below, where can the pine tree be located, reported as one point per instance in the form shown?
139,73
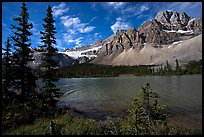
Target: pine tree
7,64
8,76
22,106
178,68
23,54
50,93
146,114
168,66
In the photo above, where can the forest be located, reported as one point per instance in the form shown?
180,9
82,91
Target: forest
96,70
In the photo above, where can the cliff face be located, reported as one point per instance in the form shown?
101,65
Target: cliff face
136,47
173,20
152,32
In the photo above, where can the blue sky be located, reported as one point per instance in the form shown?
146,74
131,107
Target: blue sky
81,23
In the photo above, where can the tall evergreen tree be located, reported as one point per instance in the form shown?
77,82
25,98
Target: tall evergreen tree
178,68
23,54
22,106
49,66
7,64
168,66
145,114
8,76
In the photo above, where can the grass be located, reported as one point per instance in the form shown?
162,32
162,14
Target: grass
66,124
76,125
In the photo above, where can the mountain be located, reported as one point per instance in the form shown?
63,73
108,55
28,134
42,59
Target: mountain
169,36
62,59
89,51
178,21
72,56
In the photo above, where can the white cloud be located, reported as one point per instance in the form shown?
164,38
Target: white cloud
134,10
78,41
67,37
75,25
191,8
58,45
97,34
60,9
182,6
120,24
75,28
67,21
125,9
86,29
116,5
143,8
92,19
70,39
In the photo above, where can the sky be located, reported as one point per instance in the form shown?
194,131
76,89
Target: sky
82,23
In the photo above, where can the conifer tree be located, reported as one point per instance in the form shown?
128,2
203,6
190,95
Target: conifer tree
8,76
178,68
50,93
7,64
23,54
146,114
168,66
22,106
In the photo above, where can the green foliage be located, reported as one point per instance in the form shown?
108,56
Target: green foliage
145,118
22,54
7,65
49,92
145,113
7,75
178,68
168,67
93,70
193,67
19,96
96,70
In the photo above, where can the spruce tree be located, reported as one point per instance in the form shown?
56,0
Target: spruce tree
21,109
145,115
168,66
49,66
178,68
8,75
23,55
7,64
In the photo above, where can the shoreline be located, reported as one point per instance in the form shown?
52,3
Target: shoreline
129,75
186,121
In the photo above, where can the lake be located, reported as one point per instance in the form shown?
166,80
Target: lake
98,96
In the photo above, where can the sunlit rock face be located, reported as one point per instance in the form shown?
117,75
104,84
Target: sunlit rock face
155,41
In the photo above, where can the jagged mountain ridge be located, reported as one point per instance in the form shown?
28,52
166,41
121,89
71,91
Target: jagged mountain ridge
155,36
150,44
175,21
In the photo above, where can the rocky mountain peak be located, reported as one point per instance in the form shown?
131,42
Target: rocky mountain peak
118,33
172,17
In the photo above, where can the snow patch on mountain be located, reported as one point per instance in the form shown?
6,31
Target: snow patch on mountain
77,54
180,31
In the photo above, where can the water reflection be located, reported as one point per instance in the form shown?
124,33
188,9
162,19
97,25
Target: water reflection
182,94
